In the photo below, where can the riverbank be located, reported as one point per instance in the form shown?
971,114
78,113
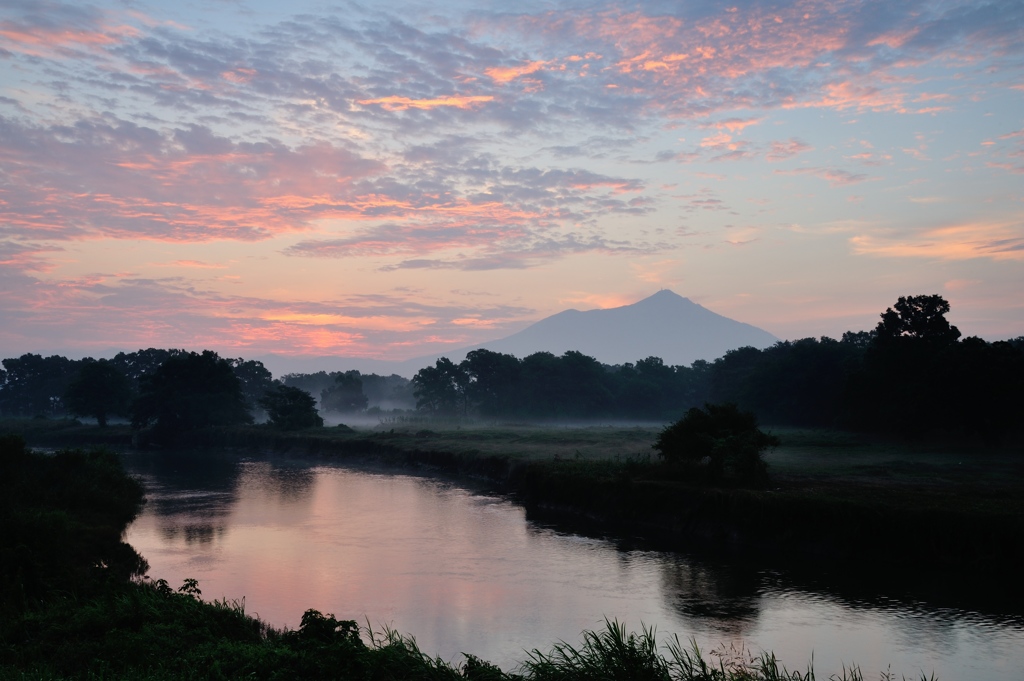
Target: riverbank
79,613
834,498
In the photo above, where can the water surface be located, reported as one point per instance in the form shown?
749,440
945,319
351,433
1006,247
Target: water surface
465,572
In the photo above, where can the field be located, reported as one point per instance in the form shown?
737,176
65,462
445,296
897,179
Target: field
810,459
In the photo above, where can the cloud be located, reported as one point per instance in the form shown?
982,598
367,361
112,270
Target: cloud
733,124
99,311
109,178
834,176
396,103
780,151
117,179
505,74
56,30
191,264
24,257
469,246
994,241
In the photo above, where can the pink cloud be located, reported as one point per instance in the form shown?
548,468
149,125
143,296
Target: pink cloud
101,310
733,124
781,151
991,240
61,41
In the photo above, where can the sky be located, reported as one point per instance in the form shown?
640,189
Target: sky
390,179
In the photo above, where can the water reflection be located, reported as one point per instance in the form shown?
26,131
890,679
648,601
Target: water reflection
725,598
465,572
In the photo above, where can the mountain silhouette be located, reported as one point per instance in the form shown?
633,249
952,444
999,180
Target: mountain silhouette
664,325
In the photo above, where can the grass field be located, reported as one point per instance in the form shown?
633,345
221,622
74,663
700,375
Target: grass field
806,458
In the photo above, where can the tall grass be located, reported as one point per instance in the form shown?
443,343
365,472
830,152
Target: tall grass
613,654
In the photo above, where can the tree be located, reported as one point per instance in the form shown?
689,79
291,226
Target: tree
388,392
255,378
346,395
493,381
290,408
100,390
35,385
441,388
141,363
918,317
904,386
188,392
720,439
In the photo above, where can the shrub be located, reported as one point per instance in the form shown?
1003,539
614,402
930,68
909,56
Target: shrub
720,442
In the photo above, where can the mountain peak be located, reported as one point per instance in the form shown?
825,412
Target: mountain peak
664,325
664,296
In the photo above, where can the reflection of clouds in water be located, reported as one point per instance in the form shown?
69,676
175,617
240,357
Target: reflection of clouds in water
719,598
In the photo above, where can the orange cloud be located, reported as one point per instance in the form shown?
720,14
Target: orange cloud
39,41
506,74
601,301
191,264
396,103
375,323
996,241
476,322
288,339
733,125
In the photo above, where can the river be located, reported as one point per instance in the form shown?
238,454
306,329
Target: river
468,572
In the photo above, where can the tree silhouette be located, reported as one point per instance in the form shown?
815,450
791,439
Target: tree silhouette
255,379
723,440
100,390
918,317
442,387
290,408
187,392
35,385
346,395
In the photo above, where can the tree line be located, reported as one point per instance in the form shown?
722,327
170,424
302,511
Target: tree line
912,374
36,386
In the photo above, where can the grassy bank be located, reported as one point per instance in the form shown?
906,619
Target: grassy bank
140,631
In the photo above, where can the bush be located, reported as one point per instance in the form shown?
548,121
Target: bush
719,442
290,408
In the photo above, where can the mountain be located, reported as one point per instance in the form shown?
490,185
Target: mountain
665,325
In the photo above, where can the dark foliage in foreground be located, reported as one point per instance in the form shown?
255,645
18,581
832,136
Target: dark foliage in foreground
61,521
